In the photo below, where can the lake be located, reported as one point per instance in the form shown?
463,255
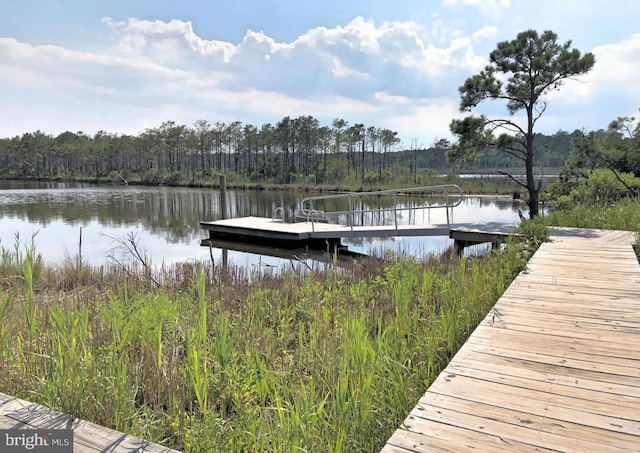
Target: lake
165,221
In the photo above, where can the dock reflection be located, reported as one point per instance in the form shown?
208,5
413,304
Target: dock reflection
342,255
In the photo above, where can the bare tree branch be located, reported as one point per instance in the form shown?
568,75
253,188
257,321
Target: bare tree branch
507,124
130,246
518,154
631,190
511,177
540,111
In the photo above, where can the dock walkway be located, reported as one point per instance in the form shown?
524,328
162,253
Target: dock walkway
555,366
88,437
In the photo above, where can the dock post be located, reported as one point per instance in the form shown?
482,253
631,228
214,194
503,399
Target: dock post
223,197
458,246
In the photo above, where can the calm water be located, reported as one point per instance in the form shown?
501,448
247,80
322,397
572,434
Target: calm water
165,221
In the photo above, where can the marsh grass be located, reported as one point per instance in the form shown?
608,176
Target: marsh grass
623,214
217,359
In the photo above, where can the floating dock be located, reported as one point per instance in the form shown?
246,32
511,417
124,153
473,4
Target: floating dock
260,230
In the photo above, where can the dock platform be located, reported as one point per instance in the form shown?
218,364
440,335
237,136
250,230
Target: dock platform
16,413
262,230
554,366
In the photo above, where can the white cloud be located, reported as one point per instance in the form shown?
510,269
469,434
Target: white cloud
158,68
340,70
615,71
619,64
135,35
484,33
398,74
386,98
483,5
609,90
388,53
429,118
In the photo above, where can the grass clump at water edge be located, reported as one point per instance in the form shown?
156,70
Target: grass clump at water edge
213,360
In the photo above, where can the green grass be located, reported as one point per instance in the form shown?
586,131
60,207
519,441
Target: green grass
623,214
620,215
216,360
396,180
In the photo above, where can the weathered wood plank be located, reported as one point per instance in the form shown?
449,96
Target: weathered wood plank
568,329
88,437
444,437
575,360
568,370
555,306
520,425
615,260
555,270
531,313
577,295
535,282
543,404
588,255
555,387
561,345
548,374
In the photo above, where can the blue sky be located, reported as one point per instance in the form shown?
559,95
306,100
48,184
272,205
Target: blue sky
126,65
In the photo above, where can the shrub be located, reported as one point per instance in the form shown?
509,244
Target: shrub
602,187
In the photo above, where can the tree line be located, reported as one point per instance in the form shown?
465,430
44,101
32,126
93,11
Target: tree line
294,150
291,150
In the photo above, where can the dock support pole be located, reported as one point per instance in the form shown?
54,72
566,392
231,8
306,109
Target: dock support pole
458,246
224,213
223,197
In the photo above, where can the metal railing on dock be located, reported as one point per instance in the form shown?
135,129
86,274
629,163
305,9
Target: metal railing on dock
308,212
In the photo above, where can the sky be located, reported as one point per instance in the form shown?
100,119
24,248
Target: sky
123,66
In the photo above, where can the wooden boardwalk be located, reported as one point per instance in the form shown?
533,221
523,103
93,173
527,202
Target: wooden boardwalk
555,366
88,437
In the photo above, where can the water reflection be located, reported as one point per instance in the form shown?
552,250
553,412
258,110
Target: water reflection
166,220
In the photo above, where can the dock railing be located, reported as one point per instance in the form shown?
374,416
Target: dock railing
452,195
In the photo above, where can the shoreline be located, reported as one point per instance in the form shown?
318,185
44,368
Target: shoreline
293,187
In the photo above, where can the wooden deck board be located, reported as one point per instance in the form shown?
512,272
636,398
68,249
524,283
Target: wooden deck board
565,329
543,404
536,314
554,366
548,374
88,437
555,387
583,362
555,304
516,425
569,370
555,344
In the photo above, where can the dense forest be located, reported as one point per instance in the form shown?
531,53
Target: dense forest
294,150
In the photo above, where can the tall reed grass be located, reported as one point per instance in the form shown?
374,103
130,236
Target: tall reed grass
213,360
